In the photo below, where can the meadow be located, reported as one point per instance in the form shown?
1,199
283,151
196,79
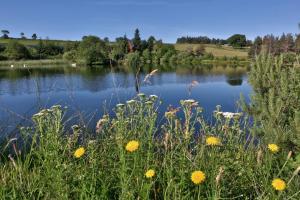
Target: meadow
135,155
217,50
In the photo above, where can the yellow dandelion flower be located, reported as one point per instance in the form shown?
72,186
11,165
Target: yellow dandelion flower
278,184
79,152
198,177
150,173
213,141
132,146
274,148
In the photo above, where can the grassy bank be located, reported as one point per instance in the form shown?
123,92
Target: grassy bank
217,51
28,63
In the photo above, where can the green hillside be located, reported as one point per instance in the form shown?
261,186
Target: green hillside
217,51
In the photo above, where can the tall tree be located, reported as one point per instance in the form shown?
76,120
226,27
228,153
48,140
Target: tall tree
137,42
34,36
22,35
237,40
256,47
150,43
5,34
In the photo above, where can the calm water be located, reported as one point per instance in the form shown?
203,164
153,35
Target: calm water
89,92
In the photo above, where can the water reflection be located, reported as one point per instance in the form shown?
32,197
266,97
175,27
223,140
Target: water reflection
94,90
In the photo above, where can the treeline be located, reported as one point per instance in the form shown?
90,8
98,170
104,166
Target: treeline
275,45
133,52
200,40
236,40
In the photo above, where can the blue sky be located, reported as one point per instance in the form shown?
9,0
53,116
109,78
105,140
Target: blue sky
165,19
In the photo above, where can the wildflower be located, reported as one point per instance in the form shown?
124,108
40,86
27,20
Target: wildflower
75,127
189,101
273,148
198,177
259,157
132,146
166,139
120,105
149,103
213,141
278,184
169,114
296,172
131,101
79,152
229,115
150,173
153,97
142,95
219,176
101,123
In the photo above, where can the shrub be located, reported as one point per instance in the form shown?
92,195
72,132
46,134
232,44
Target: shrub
16,51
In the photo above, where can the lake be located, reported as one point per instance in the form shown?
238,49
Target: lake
89,92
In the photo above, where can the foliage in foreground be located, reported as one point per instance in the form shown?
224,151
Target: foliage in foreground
276,103
131,157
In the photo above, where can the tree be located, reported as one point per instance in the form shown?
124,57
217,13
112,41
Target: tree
297,43
34,36
147,56
150,43
22,35
237,40
119,49
16,51
93,50
5,34
106,40
48,48
137,42
256,47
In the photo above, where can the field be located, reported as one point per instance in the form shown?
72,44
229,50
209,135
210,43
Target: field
218,51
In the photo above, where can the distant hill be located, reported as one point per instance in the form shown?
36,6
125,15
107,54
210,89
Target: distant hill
216,50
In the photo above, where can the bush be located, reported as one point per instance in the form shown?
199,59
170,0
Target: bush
70,55
16,51
92,50
276,103
133,60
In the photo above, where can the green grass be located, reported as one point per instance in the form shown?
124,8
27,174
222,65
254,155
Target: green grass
217,51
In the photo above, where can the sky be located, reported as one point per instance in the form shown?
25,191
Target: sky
164,19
